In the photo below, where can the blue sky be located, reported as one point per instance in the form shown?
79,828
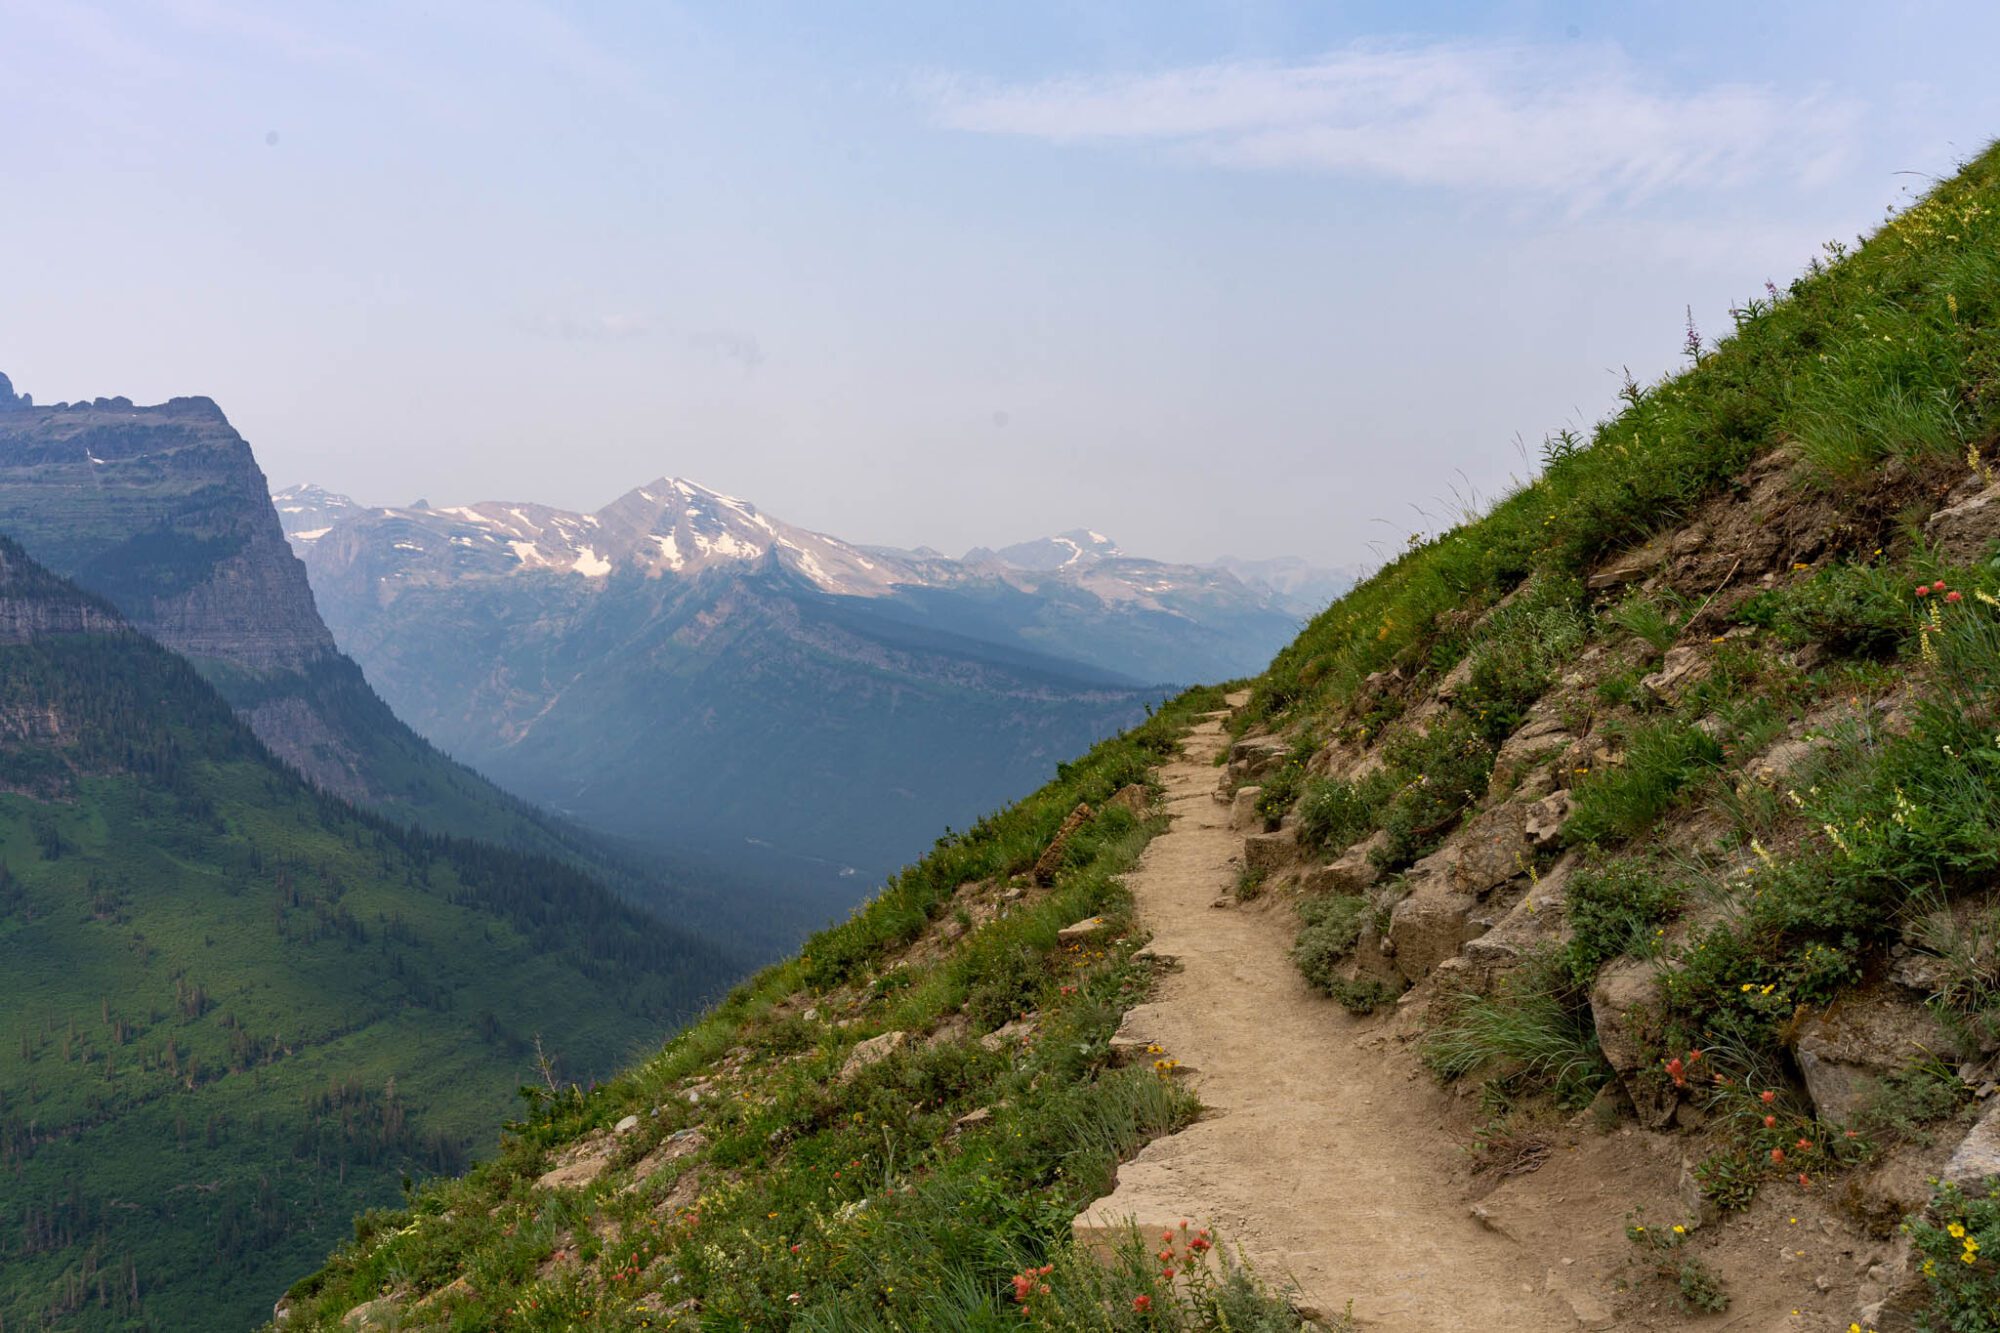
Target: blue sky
1263,279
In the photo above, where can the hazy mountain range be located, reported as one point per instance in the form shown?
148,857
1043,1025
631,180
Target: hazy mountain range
682,668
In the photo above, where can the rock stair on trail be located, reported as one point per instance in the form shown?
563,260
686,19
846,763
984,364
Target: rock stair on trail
1321,1158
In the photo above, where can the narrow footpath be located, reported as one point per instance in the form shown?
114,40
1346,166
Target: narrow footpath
1322,1157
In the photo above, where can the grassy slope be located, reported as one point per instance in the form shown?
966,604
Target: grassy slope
827,1203
1879,369
238,1012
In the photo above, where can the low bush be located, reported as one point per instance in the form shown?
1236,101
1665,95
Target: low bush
1439,774
1537,1031
1328,928
1855,610
1334,814
1616,906
1955,1240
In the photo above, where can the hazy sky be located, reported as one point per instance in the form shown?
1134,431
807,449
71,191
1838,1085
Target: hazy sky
1259,278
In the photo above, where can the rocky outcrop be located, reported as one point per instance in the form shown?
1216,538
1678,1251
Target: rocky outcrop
1968,529
1846,1050
1051,860
1625,1002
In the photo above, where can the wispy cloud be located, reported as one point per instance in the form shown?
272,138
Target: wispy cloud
729,345
1578,122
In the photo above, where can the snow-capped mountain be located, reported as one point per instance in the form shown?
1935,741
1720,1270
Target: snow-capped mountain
679,664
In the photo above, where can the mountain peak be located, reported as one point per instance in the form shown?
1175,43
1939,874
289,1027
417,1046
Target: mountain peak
1076,547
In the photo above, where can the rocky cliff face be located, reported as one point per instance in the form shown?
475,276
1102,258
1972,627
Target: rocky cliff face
163,511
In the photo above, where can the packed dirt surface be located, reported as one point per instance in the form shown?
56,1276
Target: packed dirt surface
1333,1162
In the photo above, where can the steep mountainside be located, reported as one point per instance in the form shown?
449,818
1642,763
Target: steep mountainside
680,667
163,511
238,1011
1653,815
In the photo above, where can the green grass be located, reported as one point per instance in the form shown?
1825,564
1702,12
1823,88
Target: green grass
854,1204
238,1011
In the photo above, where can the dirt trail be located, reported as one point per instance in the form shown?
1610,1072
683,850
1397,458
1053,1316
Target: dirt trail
1317,1157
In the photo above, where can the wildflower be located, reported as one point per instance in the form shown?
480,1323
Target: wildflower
1680,1230
1938,586
1168,1273
1778,1155
1770,1122
1804,1183
1952,596
1768,1097
1923,590
1142,1303
1956,1231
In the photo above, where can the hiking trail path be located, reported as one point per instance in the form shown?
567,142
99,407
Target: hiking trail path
1325,1156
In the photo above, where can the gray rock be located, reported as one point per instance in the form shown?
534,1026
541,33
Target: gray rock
1243,816
1681,668
872,1052
1966,530
1844,1051
1427,928
1353,871
1266,852
1624,1001
1978,1157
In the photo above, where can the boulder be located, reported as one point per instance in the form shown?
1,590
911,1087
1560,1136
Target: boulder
1080,932
1243,813
872,1052
1535,920
1132,798
1484,853
1624,1001
1267,852
1967,530
1681,668
580,1164
1546,818
1353,871
1009,1034
1051,859
1427,928
376,1316
676,1146
1978,1157
1455,679
1254,756
1845,1050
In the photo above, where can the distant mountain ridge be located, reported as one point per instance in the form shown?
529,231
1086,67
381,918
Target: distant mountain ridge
683,668
1086,599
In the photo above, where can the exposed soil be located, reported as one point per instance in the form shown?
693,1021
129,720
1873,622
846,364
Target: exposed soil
1335,1164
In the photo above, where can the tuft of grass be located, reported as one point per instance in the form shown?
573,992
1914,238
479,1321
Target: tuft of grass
1661,760
1655,622
1535,1031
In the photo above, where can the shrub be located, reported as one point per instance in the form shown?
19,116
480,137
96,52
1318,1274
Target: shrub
1913,1098
1954,1238
1538,1031
1439,774
1855,610
1615,907
1657,623
1335,814
1328,928
1520,648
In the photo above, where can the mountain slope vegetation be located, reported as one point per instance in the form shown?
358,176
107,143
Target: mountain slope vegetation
1665,789
239,1010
